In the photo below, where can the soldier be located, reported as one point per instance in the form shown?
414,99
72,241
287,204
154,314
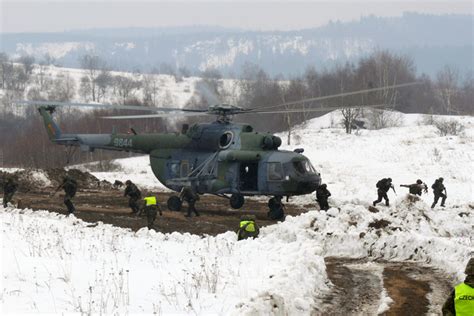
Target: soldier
69,186
134,195
438,189
151,208
322,195
382,188
187,194
248,228
461,300
277,210
416,188
9,189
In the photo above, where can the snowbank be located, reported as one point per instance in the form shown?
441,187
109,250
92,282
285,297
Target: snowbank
53,263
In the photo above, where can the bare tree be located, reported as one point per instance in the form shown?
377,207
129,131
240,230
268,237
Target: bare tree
28,63
150,89
126,87
447,87
4,63
103,81
93,65
64,88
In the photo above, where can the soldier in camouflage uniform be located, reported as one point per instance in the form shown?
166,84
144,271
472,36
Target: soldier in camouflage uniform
277,210
461,300
416,188
187,194
322,195
69,185
134,195
9,189
151,209
383,186
439,191
247,228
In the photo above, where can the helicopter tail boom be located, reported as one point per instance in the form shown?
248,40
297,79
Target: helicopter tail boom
53,130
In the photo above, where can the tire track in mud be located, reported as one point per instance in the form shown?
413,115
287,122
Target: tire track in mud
359,287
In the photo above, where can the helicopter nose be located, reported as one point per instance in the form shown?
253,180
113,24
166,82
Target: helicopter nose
308,186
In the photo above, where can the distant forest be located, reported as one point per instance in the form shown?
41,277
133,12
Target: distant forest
24,143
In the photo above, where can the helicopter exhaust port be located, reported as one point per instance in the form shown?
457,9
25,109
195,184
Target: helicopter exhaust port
271,142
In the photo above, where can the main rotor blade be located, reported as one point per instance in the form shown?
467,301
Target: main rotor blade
104,106
145,116
322,109
343,94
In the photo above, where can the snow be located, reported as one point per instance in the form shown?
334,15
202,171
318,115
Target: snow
56,50
57,264
53,263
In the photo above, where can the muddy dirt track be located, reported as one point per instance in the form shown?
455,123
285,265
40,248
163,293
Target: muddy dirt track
357,284
358,288
110,207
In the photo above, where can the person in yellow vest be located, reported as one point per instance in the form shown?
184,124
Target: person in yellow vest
151,208
248,228
461,300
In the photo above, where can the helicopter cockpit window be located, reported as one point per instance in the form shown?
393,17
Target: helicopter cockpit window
275,171
226,139
303,167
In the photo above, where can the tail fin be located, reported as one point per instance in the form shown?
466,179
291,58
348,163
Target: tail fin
51,127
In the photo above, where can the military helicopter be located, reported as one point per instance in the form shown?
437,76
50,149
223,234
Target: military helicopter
222,158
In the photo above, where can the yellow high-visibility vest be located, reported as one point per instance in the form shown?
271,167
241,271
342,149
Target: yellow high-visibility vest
250,227
150,200
464,300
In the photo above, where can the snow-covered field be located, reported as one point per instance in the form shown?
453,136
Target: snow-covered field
55,264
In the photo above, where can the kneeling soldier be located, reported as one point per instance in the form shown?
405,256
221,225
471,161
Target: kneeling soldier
248,228
151,208
9,189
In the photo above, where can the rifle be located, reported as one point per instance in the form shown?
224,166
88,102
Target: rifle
57,189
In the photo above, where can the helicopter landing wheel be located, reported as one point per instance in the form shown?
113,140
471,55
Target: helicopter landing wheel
174,203
236,201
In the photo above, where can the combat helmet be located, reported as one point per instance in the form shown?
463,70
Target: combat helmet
419,181
470,267
128,182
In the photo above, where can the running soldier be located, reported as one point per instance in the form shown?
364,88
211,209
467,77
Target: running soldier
416,188
322,195
69,185
134,195
277,210
151,208
382,188
439,191
187,194
9,189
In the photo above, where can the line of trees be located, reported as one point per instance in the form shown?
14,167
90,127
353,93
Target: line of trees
24,145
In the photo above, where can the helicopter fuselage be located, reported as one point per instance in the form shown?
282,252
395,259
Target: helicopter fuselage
217,158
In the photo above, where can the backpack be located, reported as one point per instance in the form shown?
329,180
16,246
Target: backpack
381,183
70,187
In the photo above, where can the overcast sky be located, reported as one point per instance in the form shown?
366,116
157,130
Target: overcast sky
56,16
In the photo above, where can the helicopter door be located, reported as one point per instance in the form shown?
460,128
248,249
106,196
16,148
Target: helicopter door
249,176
